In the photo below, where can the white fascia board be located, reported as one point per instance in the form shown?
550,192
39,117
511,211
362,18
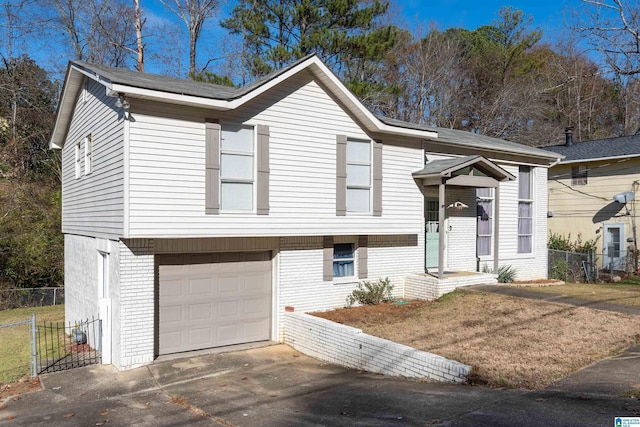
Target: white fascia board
64,112
600,159
168,97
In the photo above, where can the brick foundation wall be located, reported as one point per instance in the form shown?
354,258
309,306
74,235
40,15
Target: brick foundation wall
136,303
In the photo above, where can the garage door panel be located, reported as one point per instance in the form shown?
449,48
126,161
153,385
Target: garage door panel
200,287
202,311
214,304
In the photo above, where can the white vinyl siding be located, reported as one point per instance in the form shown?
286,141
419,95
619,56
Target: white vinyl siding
167,168
93,205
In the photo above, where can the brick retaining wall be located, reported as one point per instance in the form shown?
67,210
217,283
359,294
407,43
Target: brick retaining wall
348,346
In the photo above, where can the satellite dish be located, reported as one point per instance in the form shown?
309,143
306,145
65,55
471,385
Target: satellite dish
624,198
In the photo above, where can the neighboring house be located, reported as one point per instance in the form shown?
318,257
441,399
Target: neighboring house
592,193
193,214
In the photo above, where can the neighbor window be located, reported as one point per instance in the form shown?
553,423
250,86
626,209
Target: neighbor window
579,175
343,260
484,227
88,155
78,158
358,175
237,168
525,211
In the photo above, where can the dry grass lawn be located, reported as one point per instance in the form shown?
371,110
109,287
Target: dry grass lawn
613,293
15,342
511,342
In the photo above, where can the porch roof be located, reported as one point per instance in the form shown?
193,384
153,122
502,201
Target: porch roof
446,168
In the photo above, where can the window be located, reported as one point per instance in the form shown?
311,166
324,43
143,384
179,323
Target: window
88,155
525,211
358,175
484,227
579,175
343,260
78,158
237,168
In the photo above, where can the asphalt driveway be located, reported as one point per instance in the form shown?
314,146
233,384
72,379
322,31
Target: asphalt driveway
277,386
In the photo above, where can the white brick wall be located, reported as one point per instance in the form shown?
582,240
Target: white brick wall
420,286
80,278
300,278
347,346
137,320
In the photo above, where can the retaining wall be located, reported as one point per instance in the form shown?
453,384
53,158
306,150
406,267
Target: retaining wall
348,346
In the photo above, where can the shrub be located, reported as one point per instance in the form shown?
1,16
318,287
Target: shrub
506,274
559,270
560,242
371,293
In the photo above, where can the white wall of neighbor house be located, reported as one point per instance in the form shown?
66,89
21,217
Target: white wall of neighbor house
93,201
167,170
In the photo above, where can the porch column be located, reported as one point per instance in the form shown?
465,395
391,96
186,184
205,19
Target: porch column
441,212
496,229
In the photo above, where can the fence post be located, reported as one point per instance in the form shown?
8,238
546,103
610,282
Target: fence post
54,296
34,348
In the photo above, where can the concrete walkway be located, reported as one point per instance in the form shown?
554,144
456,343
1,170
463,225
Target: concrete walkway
522,292
613,376
277,386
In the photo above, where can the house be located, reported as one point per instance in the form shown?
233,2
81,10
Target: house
592,193
193,214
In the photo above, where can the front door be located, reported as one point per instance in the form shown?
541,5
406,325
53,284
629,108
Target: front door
432,232
613,246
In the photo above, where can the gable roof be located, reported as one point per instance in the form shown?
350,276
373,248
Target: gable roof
205,95
446,167
599,149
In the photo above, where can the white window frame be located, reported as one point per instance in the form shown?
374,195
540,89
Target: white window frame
254,172
78,159
353,258
368,187
491,199
529,201
88,154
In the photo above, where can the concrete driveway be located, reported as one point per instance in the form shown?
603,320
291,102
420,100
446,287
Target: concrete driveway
276,386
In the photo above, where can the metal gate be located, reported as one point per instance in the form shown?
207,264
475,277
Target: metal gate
61,347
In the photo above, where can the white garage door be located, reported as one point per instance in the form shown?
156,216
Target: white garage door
213,300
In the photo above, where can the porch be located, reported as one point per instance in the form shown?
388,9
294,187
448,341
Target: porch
428,286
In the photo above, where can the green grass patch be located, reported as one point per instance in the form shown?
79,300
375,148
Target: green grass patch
15,351
626,292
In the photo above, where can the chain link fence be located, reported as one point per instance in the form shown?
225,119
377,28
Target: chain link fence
21,361
38,348
589,266
30,297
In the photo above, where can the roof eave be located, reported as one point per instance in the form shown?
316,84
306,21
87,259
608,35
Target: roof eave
599,159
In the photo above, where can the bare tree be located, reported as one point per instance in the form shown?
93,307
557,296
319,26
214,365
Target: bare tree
139,44
98,30
194,13
612,28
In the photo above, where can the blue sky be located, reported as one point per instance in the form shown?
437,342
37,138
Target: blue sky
550,16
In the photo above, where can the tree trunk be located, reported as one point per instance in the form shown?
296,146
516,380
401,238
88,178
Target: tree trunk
140,45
